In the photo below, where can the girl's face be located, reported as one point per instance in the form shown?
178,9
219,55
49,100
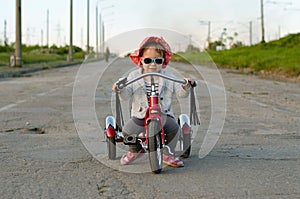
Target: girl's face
151,53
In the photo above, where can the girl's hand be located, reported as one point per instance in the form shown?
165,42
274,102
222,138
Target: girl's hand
188,84
114,88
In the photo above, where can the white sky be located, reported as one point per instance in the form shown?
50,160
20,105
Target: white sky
120,16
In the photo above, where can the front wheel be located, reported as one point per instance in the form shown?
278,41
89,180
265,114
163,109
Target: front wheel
155,146
111,145
186,138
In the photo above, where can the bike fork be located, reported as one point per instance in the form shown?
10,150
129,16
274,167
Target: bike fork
145,146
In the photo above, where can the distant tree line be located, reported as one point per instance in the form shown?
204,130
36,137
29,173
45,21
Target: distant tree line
225,41
41,49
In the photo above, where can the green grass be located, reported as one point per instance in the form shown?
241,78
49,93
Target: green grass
36,60
280,56
4,59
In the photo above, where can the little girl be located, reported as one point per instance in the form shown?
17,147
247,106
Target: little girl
153,56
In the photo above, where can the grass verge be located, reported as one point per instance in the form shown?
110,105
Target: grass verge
36,60
280,57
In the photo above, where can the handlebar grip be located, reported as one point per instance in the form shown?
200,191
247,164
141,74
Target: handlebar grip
194,84
121,83
185,82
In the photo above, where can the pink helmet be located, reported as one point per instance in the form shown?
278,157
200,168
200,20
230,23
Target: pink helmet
136,55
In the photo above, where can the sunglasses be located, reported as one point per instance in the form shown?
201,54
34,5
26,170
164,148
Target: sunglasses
157,61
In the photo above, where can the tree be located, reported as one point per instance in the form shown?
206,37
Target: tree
216,45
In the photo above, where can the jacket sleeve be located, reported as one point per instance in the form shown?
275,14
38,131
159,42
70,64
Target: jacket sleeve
127,91
180,92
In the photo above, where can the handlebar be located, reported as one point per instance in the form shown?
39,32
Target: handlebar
123,81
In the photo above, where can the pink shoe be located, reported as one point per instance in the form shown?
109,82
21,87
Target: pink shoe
172,161
130,157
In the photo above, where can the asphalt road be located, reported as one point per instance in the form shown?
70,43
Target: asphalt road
44,156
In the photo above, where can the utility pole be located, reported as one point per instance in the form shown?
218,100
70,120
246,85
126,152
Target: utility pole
58,39
250,33
42,35
208,35
81,38
18,51
47,28
262,22
101,33
208,23
97,52
88,28
28,35
5,37
70,58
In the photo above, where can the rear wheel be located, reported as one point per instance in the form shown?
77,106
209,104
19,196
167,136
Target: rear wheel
111,146
110,134
155,147
186,139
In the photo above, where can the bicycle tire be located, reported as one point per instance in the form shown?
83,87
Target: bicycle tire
155,147
186,139
111,146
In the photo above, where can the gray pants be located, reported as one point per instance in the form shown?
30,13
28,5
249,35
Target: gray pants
171,128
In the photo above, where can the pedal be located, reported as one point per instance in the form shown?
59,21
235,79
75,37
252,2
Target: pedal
130,140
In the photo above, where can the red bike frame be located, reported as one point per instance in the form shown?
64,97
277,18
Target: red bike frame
153,113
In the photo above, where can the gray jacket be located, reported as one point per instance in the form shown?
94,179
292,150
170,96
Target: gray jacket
137,91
